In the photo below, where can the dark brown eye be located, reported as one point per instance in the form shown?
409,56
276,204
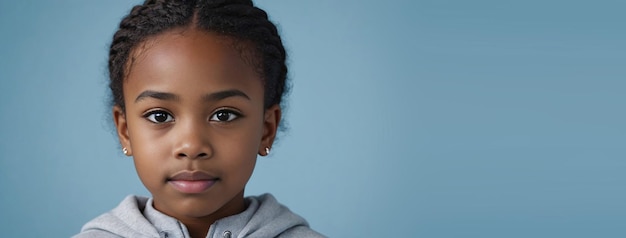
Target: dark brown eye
224,116
159,117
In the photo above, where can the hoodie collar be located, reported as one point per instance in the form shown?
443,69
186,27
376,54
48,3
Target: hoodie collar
166,226
227,227
136,217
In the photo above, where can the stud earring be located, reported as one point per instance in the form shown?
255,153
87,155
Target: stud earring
125,151
267,151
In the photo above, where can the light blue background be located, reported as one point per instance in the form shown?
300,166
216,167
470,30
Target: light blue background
427,118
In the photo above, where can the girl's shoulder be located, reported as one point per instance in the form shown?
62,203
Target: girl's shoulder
269,218
125,220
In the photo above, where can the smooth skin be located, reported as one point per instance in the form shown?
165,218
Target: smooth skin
194,103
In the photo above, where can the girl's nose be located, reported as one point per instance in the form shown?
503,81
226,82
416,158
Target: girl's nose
192,141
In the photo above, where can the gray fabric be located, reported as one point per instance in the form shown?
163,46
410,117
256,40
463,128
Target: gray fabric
136,217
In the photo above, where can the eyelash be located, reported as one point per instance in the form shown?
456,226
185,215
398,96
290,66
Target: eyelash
233,115
151,116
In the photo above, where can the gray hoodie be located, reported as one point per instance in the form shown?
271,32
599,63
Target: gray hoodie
135,217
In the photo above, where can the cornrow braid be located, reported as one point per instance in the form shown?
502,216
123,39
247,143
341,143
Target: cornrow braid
237,19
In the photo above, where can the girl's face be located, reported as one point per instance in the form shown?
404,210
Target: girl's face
194,122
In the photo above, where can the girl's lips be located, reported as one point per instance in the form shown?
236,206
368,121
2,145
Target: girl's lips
192,175
191,186
192,181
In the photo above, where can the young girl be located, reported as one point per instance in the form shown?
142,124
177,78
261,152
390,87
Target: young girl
197,87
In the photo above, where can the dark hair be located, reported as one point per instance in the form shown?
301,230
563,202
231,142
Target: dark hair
239,19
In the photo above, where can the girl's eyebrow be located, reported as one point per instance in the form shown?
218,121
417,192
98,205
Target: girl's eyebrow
216,96
157,95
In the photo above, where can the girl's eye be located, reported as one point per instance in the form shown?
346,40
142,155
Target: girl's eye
224,116
159,117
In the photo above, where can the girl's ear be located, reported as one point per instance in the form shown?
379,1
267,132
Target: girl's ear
270,128
121,126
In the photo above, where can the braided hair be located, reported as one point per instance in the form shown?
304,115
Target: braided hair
240,20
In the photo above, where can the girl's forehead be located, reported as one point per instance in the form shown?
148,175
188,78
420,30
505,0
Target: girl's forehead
190,45
177,59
